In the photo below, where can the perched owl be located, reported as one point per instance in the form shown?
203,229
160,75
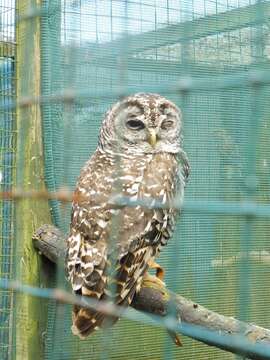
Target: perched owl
110,248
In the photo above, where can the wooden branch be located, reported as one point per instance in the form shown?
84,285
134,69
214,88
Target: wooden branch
228,333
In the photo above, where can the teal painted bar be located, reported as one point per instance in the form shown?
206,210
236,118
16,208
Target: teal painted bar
239,344
184,84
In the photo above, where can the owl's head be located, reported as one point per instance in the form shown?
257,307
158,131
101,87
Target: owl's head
142,124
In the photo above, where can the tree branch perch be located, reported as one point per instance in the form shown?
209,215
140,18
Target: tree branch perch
229,334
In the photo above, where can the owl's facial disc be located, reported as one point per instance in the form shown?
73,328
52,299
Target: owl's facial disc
145,124
148,131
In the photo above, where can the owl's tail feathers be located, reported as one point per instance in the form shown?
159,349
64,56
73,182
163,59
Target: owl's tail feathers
85,321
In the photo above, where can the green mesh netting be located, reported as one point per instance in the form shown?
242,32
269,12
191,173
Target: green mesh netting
7,166
97,49
100,49
7,207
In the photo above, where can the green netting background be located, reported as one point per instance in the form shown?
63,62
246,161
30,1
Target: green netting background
99,47
7,169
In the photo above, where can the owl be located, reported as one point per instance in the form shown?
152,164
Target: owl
110,248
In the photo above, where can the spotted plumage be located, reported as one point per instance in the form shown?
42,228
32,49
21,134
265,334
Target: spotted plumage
139,156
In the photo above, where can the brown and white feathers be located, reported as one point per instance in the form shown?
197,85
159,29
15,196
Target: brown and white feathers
139,156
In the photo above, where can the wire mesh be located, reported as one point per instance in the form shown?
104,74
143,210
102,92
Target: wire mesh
7,168
208,56
109,45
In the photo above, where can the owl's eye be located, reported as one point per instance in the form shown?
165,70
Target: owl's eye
135,124
167,124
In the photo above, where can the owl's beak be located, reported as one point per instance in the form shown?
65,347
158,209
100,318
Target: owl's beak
152,139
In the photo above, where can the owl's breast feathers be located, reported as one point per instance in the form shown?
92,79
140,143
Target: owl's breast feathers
107,242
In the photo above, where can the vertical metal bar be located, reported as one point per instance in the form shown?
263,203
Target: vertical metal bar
251,184
187,8
48,67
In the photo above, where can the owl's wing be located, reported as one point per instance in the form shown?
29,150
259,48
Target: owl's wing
150,228
103,271
184,166
87,248
134,263
86,259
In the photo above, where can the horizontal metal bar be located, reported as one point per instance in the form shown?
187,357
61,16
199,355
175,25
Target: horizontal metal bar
205,26
183,85
242,208
239,344
161,66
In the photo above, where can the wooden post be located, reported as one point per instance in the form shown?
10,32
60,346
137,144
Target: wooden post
30,312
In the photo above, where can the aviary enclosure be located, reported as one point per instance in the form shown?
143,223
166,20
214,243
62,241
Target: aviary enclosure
62,64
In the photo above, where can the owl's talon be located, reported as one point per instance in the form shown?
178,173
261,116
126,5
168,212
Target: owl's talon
160,272
153,281
175,338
